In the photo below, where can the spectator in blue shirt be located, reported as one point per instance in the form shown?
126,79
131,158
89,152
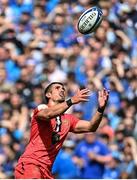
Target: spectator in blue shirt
112,170
64,166
94,154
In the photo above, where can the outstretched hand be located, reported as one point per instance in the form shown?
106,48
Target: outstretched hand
84,94
103,96
81,96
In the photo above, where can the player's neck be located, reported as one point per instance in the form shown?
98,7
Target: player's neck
52,103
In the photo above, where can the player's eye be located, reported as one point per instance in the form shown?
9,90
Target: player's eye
57,87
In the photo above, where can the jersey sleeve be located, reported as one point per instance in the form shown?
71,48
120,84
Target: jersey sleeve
73,122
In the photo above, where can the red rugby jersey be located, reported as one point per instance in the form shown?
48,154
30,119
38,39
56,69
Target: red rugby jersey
43,148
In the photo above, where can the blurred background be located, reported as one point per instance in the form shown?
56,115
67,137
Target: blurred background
39,43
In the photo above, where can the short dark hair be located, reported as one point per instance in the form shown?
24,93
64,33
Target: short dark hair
48,88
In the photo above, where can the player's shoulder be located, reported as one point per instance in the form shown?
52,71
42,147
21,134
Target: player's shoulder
42,106
38,108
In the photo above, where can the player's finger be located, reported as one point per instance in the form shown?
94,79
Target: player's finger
102,93
85,95
83,91
84,99
99,93
86,89
105,91
106,94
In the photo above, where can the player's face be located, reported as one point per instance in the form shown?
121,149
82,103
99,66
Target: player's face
57,93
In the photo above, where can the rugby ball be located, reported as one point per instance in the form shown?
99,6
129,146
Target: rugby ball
90,20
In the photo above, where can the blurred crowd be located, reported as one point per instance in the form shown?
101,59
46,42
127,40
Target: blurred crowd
39,43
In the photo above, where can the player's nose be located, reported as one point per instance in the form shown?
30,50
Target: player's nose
62,90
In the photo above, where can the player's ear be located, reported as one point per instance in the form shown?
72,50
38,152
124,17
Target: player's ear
48,94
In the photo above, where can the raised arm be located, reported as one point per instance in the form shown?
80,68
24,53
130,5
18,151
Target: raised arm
92,125
58,109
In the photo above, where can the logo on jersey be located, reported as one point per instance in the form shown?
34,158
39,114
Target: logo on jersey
55,135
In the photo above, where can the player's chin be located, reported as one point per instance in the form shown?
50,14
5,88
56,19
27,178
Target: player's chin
61,100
